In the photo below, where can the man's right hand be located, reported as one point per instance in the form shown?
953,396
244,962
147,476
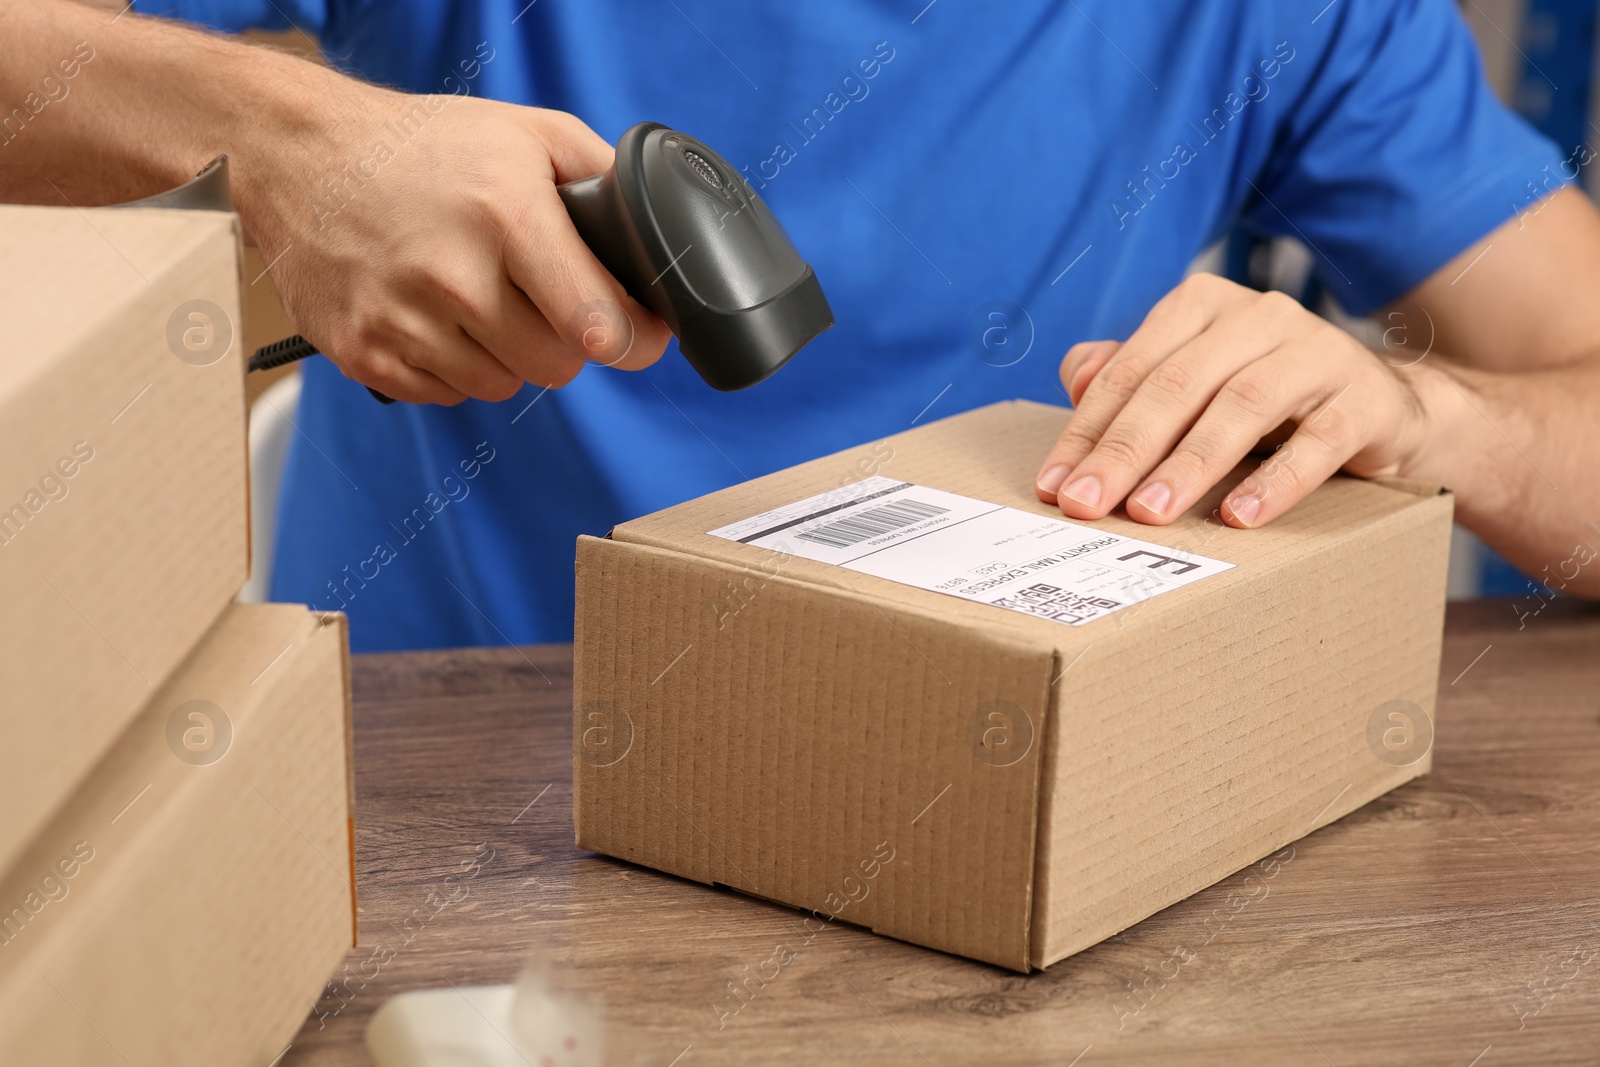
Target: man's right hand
418,241
421,243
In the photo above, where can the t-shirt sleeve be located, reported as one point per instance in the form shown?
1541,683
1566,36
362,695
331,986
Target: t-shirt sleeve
231,16
1396,155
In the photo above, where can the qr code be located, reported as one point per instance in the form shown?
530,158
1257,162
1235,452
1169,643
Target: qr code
1053,602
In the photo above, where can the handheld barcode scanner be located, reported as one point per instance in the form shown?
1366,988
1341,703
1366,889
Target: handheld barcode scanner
689,239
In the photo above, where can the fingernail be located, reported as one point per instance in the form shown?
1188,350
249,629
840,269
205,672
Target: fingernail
1245,508
1051,478
1085,490
1154,498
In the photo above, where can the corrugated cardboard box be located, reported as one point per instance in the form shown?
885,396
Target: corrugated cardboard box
1091,721
123,527
187,905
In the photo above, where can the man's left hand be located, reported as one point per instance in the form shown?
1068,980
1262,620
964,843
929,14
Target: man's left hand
1213,370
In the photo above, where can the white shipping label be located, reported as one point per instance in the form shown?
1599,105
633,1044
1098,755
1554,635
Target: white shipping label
969,548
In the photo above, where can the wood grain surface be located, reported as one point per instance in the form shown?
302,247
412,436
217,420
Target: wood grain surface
1454,922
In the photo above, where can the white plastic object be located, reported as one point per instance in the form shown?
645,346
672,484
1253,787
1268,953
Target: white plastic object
487,1026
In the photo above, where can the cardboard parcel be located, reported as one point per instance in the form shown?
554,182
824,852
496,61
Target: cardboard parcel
186,906
892,688
124,528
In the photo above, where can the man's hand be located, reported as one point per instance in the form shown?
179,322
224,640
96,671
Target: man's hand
421,243
1214,369
418,240
1499,406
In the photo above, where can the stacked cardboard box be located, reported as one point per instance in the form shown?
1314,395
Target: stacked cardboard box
894,689
175,770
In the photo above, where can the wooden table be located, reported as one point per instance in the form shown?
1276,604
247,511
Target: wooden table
1453,923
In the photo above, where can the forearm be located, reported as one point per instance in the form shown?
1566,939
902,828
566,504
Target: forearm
1520,451
98,111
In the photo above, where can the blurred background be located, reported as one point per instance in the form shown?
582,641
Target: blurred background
1539,56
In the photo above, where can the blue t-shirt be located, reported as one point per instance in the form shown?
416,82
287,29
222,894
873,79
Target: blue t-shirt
977,188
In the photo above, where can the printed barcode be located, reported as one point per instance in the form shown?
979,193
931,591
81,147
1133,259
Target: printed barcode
844,533
1053,602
